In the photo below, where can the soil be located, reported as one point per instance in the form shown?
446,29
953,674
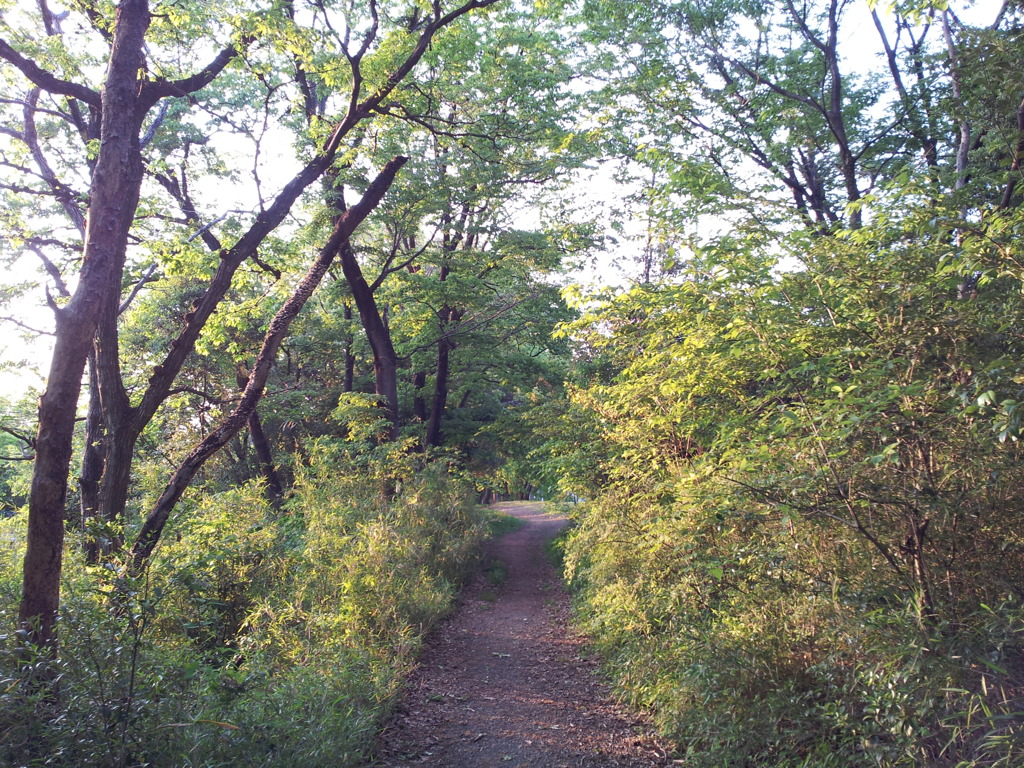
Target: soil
505,681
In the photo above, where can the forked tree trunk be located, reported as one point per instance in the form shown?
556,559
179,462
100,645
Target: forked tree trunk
113,197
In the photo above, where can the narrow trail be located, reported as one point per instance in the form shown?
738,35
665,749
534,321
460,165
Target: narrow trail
503,682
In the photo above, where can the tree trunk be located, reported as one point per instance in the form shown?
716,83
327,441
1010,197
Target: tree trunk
345,224
440,398
419,405
439,402
114,195
118,418
92,463
264,456
385,359
350,358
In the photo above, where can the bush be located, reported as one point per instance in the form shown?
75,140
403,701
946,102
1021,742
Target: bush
803,543
758,669
257,637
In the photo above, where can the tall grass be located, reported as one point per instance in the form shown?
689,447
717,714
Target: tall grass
257,637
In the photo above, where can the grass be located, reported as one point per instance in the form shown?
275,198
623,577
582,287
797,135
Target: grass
499,523
495,572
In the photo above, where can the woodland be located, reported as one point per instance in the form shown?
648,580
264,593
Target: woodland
318,280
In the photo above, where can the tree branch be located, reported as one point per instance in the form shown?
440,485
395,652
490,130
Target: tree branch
346,224
146,278
28,440
154,91
47,81
51,270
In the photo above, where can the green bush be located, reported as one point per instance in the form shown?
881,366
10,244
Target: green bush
760,670
803,542
256,637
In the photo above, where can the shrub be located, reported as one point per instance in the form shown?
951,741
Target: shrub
256,637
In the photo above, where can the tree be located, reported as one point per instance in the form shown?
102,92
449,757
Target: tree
345,225
486,137
115,121
802,461
761,107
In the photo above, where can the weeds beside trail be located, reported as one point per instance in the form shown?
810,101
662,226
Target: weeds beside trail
258,637
505,683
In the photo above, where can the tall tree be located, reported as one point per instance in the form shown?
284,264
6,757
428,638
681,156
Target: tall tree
762,106
488,137
345,225
118,112
117,178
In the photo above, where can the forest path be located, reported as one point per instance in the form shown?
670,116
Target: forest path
503,681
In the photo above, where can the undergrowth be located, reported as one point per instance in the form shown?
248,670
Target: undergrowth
802,541
257,637
768,670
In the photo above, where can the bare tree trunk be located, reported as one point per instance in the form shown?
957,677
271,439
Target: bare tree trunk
385,359
114,195
92,463
264,456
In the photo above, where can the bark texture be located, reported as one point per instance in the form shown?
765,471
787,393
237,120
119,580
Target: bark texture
114,195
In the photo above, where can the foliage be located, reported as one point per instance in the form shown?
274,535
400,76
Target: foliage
256,637
798,434
804,546
796,439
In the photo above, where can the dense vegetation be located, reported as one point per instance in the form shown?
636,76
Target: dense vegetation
802,542
260,636
332,320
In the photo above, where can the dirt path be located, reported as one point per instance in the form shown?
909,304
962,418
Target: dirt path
502,682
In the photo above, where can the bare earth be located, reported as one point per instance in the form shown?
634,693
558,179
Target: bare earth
504,682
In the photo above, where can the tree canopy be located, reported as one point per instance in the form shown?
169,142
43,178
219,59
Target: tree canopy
309,270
